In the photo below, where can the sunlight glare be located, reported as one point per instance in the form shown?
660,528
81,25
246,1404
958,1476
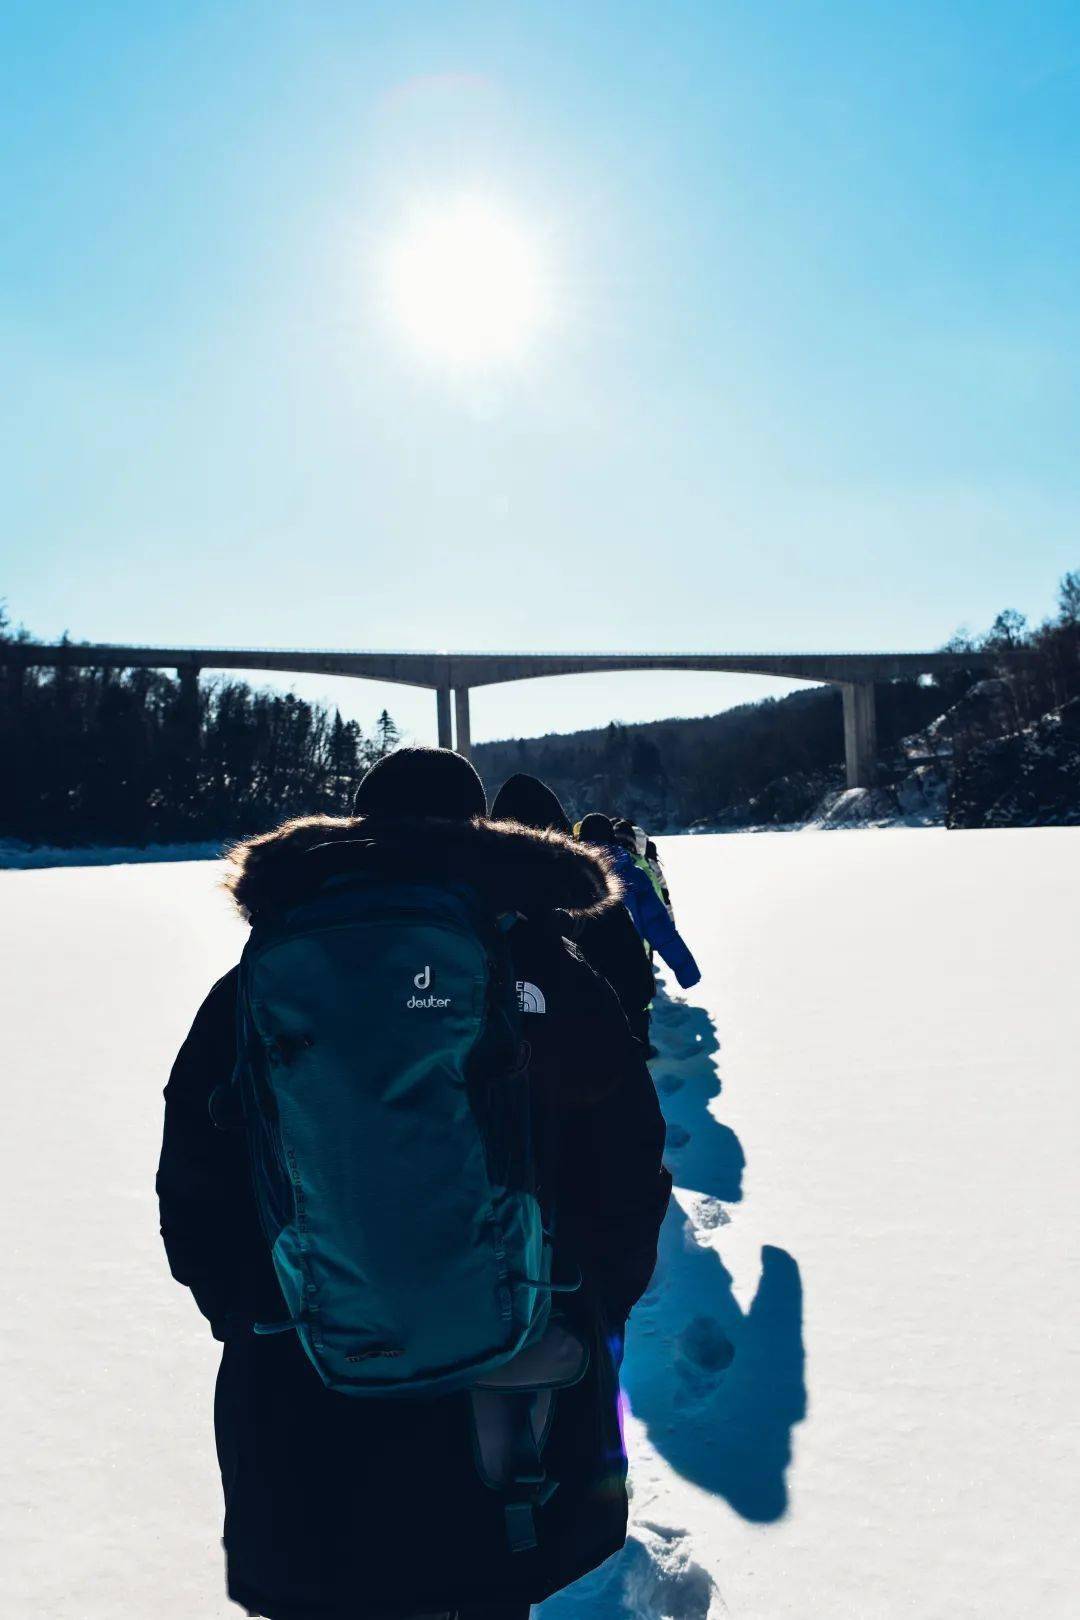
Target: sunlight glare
465,283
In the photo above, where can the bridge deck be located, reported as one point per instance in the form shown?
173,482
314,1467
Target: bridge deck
441,670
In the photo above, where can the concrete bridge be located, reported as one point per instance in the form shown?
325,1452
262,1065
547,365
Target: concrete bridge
451,676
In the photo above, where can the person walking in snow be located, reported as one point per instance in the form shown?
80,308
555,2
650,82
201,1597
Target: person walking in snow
642,899
380,1459
645,852
646,855
652,861
607,940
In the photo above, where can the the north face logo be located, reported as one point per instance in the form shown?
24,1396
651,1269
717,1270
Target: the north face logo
530,997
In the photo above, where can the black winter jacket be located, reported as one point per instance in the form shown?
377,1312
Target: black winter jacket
336,1506
612,945
605,936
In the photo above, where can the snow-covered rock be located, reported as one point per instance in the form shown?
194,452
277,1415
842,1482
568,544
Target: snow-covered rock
1029,777
985,709
918,799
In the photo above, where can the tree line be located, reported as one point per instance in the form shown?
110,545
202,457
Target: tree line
771,762
1012,746
139,756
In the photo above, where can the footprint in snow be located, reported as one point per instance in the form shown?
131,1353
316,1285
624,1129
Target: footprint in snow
703,1216
706,1214
705,1350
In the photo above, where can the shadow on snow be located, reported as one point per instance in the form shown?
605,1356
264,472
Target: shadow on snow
718,1390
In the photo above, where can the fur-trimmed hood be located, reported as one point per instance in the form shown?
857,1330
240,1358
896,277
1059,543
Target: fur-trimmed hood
515,868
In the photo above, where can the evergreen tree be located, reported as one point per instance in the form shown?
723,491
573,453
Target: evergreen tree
387,737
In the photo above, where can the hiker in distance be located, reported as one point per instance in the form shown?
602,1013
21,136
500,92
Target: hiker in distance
607,939
427,1201
646,856
643,901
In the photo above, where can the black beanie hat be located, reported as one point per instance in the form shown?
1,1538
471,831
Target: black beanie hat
597,829
421,782
530,801
624,833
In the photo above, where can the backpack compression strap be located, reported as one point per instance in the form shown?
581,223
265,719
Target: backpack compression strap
527,1485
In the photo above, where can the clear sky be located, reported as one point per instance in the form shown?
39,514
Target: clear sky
799,367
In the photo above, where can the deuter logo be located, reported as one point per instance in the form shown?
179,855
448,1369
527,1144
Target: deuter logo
422,981
530,997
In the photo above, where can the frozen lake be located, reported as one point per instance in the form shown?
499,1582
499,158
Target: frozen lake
854,1383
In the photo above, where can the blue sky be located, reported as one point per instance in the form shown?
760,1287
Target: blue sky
809,377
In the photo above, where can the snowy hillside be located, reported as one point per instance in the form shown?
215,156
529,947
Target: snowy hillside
853,1384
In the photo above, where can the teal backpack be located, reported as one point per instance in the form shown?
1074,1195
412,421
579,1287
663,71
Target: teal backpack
384,1088
386,1095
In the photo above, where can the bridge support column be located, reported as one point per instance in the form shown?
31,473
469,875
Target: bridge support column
860,733
188,676
442,712
461,721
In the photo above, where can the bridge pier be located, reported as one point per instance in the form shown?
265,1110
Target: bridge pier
188,677
860,733
442,715
461,720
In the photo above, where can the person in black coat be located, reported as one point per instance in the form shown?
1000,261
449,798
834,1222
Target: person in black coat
607,938
338,1508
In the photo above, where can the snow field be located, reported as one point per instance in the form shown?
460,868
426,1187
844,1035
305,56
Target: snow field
853,1382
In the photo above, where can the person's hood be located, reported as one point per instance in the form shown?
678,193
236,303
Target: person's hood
531,802
514,868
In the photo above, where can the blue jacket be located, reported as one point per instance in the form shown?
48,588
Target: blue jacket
651,919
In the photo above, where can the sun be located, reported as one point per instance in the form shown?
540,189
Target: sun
466,284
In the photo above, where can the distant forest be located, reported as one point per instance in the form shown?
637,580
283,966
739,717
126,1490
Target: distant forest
137,756
771,759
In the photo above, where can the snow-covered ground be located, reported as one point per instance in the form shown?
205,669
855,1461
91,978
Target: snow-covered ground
854,1383
15,852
